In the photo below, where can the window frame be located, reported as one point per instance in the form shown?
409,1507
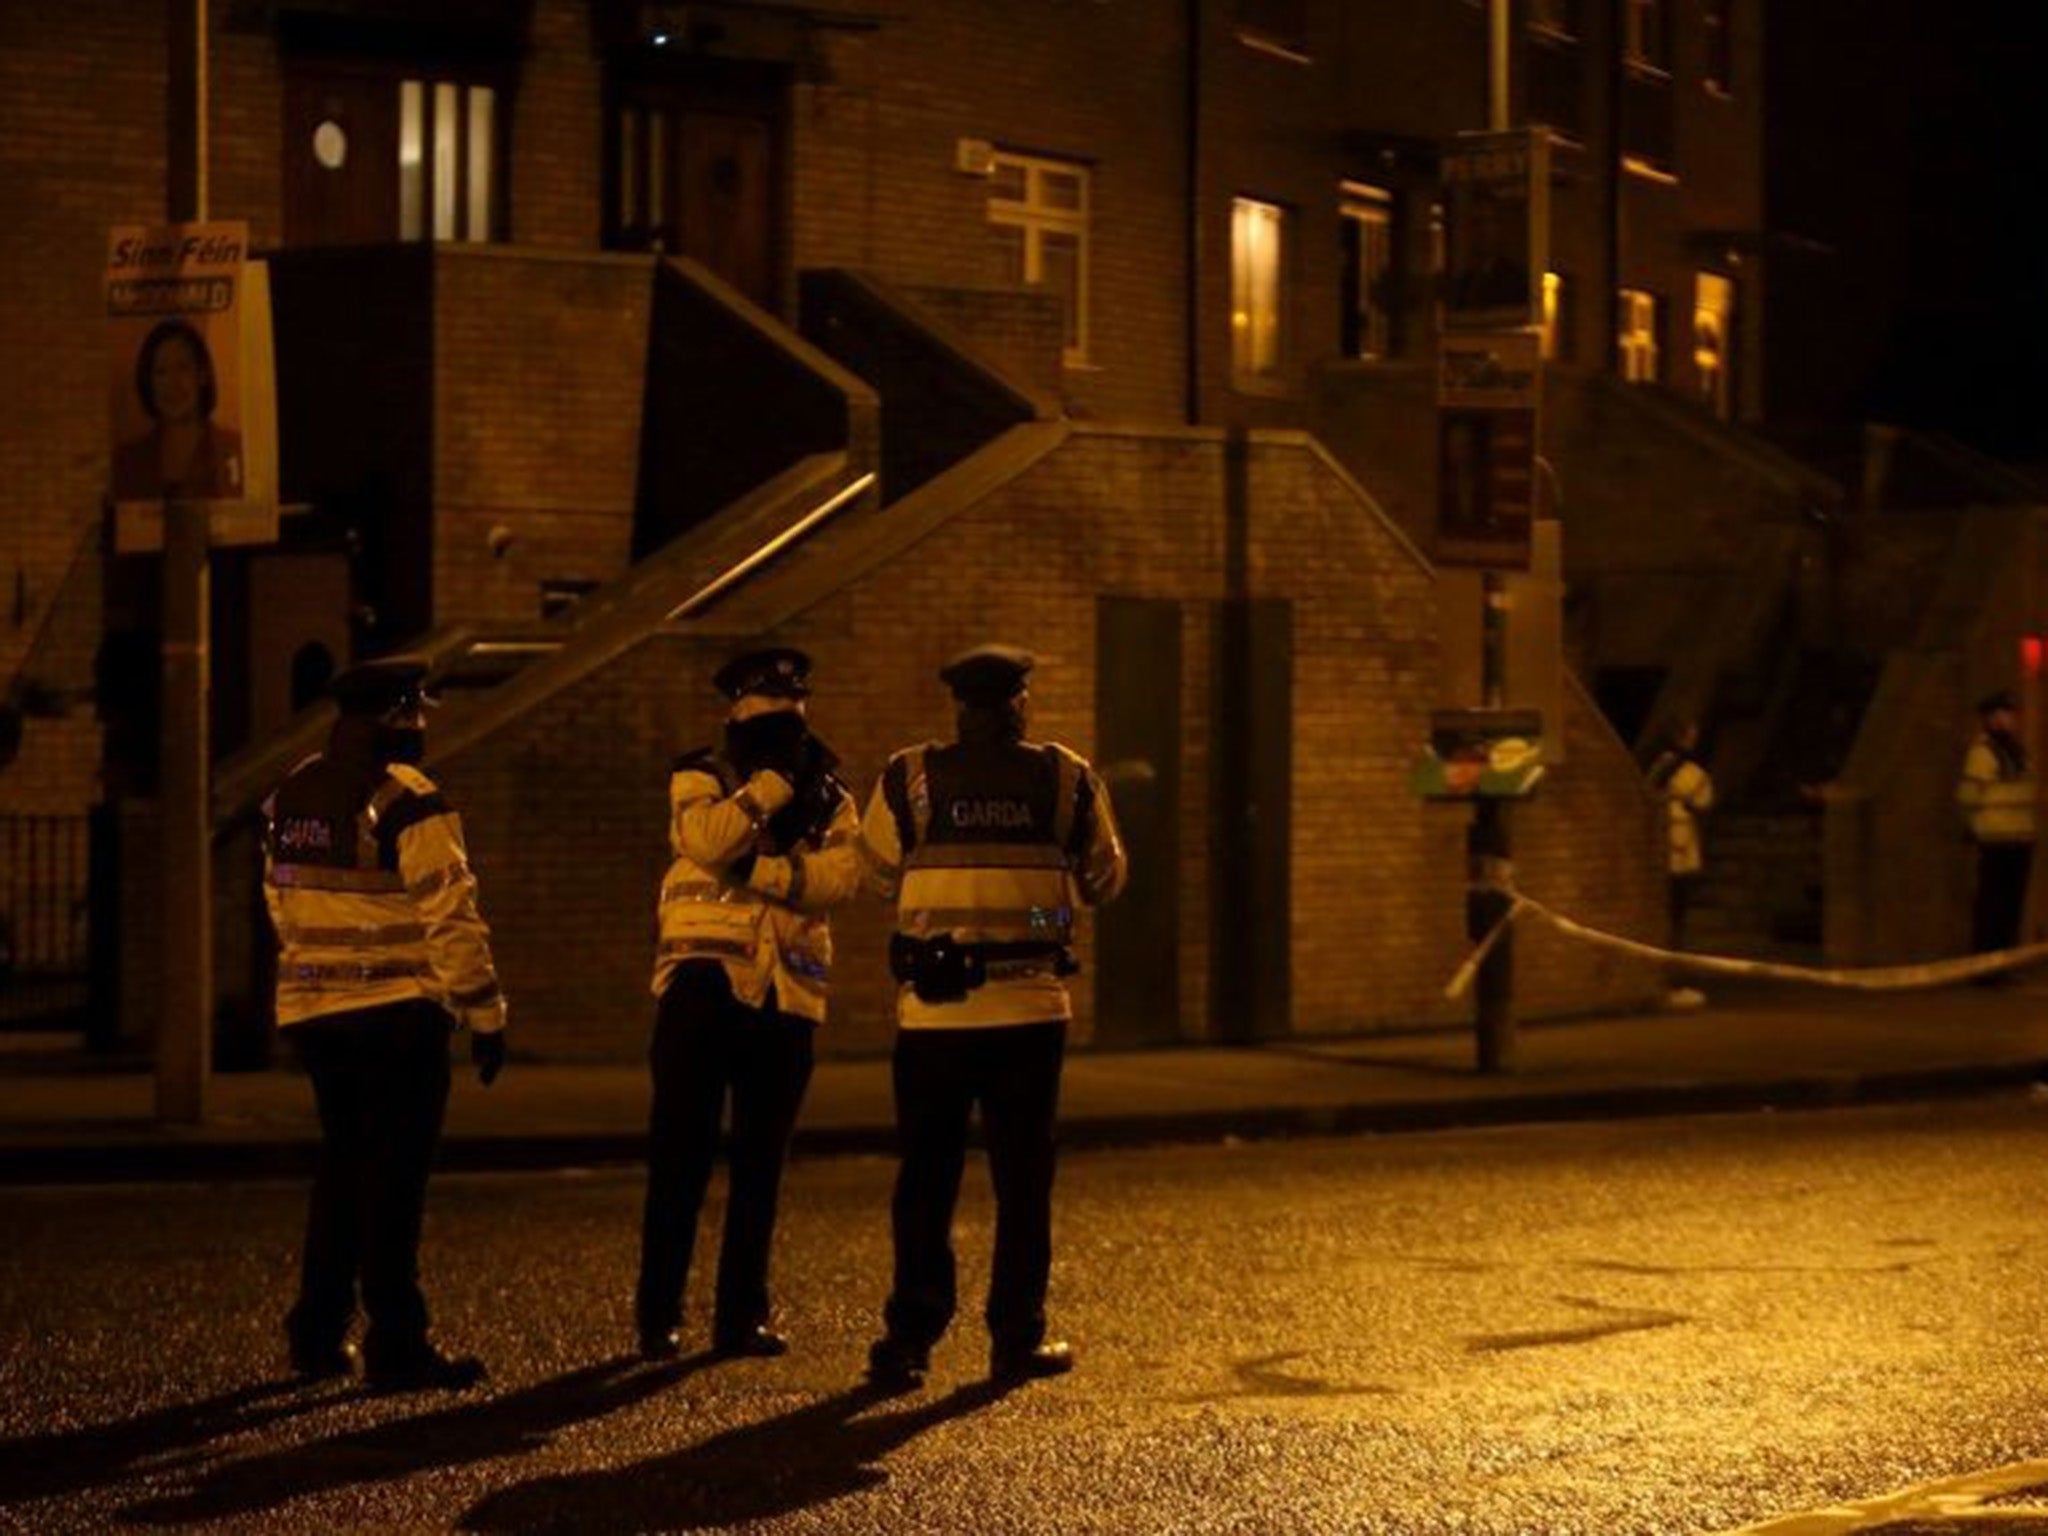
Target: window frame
1364,207
1246,372
1635,343
421,202
1716,385
1035,218
1717,29
1646,54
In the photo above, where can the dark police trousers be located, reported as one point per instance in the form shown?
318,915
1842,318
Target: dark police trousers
707,1043
1013,1072
2002,870
380,1082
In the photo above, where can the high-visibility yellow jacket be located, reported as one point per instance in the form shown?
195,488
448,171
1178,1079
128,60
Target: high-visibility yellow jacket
1996,795
768,929
370,890
1688,795
992,844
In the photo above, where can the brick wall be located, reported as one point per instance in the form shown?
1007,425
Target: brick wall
1018,330
566,809
539,368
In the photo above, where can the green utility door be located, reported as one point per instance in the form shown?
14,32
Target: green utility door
1137,736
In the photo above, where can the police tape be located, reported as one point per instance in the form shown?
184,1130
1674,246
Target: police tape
1877,978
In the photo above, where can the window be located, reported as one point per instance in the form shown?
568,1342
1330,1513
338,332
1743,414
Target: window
1038,216
1558,316
1646,35
447,160
1717,24
1713,337
1366,217
1257,247
1641,361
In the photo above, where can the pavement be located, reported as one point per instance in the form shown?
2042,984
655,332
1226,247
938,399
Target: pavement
67,1117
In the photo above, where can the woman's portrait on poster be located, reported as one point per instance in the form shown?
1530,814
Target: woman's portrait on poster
184,453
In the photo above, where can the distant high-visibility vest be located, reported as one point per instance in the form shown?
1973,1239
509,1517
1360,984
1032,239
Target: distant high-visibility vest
1996,794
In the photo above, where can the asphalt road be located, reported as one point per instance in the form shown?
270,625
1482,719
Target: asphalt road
1660,1327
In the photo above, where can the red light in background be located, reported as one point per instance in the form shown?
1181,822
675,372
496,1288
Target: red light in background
2030,654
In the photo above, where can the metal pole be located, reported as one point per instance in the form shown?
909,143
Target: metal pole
185,1035
1487,857
184,1044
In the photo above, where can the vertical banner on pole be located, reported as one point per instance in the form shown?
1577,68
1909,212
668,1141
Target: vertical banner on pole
1497,229
1489,391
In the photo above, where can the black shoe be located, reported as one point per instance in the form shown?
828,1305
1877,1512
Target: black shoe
661,1343
1054,1358
311,1365
757,1343
894,1362
426,1371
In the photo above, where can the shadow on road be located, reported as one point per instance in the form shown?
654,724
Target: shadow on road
69,1461
779,1466
516,1423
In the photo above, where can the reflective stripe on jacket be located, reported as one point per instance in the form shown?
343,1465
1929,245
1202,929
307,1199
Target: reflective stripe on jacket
1996,796
375,904
993,844
770,929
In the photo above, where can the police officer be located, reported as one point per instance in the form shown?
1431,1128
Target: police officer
383,953
985,843
763,836
1996,794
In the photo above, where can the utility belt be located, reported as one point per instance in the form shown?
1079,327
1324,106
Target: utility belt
941,969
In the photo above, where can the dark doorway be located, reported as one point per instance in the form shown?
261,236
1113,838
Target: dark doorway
1252,812
695,167
1137,734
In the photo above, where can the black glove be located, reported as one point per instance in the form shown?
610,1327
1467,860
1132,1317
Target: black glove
815,801
487,1050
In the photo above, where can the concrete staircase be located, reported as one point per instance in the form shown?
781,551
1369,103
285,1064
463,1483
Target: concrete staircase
1760,894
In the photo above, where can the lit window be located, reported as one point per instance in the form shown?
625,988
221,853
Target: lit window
1713,321
447,160
1367,215
1646,38
1557,329
1717,24
1641,361
1257,245
1038,222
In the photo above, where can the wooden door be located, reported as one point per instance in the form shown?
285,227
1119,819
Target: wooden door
725,199
340,155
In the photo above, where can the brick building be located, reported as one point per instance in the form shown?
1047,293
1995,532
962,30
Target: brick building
1075,281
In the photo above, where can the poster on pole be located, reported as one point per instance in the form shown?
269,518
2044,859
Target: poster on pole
191,411
1497,227
1489,390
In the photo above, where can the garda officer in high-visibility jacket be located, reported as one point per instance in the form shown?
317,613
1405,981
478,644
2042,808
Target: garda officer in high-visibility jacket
986,844
1997,794
762,832
382,954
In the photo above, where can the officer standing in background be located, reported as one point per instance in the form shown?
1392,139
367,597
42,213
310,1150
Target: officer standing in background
1688,790
383,953
1996,794
763,836
985,843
